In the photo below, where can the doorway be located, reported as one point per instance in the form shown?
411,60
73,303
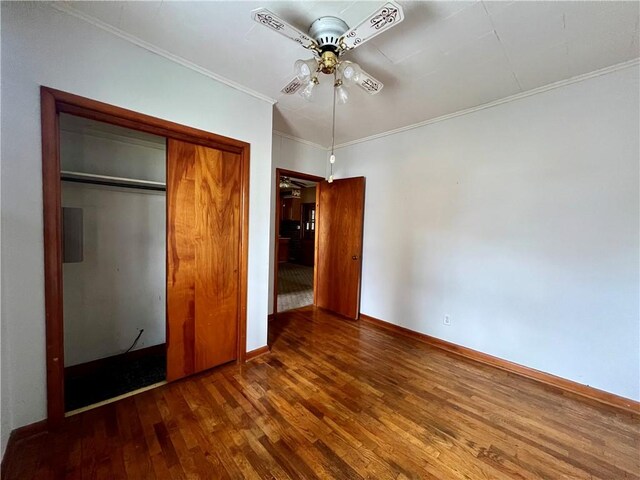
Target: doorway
295,259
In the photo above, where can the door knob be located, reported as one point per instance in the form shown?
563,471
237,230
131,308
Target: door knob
355,257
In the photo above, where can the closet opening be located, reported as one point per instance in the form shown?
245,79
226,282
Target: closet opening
146,234
294,277
113,198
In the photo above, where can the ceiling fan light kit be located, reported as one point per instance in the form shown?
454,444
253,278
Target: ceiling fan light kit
342,95
349,72
304,69
307,91
329,38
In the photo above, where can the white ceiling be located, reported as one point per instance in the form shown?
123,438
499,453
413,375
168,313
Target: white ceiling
445,57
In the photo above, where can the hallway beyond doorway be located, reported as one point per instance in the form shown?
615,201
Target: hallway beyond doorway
295,286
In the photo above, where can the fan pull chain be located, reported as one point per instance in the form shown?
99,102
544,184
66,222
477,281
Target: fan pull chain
332,158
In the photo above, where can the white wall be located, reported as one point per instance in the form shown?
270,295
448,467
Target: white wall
299,157
119,287
42,46
5,421
521,223
102,149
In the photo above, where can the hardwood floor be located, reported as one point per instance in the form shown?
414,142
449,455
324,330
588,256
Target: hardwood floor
341,399
295,286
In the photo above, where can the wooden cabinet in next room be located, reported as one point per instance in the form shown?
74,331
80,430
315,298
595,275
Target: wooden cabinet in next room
290,209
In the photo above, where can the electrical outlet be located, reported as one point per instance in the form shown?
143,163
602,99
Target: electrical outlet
446,320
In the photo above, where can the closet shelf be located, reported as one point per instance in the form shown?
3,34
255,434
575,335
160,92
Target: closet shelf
94,179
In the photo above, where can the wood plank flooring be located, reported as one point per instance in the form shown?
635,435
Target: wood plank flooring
340,399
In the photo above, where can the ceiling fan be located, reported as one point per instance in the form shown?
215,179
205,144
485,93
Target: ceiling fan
288,182
329,38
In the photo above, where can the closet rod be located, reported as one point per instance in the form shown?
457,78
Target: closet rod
106,180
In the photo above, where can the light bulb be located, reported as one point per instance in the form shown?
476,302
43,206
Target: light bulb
342,96
330,179
307,91
332,158
304,69
349,72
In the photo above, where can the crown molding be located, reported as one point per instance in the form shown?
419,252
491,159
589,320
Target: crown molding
300,140
511,98
66,8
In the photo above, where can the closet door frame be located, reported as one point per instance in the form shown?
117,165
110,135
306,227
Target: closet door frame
54,102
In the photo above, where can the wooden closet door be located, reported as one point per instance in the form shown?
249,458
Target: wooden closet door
203,257
339,228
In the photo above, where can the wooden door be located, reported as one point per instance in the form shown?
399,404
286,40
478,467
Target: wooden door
340,217
203,257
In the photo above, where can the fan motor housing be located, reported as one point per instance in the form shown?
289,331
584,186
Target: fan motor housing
326,31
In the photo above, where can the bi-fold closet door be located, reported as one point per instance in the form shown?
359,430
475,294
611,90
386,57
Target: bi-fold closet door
203,257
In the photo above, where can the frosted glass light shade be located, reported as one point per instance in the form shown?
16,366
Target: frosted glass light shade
342,96
305,69
308,90
349,72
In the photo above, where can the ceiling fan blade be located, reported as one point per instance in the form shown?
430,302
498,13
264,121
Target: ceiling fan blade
369,84
292,87
381,20
274,22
